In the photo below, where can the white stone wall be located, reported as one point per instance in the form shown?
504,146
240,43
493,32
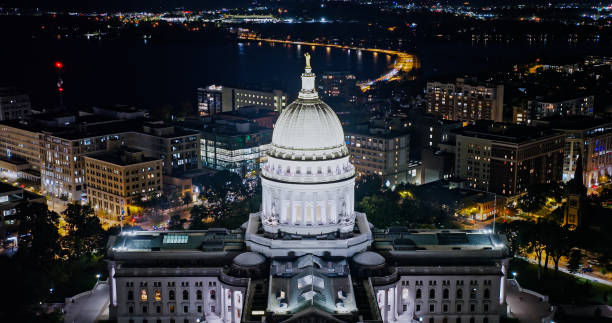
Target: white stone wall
207,298
442,298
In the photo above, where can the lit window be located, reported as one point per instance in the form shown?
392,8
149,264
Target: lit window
143,295
157,295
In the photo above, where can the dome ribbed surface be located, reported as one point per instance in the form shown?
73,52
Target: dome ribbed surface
307,128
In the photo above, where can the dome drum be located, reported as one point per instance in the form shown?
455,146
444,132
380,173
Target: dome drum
310,209
311,172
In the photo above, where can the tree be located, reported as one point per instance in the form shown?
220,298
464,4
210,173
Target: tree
198,216
84,232
558,242
574,261
176,223
38,236
218,186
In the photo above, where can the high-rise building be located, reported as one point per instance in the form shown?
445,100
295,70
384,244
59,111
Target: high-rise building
339,85
506,159
214,99
14,104
590,138
118,177
382,152
465,100
307,255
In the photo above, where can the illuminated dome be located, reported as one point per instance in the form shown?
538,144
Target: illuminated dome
308,182
308,129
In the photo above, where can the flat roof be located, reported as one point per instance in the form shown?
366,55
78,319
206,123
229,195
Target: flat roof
116,158
506,132
175,241
575,122
356,130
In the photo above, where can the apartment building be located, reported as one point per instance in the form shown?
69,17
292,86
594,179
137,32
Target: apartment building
506,158
119,176
465,100
382,152
552,106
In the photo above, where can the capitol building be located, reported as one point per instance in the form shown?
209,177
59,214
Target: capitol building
308,256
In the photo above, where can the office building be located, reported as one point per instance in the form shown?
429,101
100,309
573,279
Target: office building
465,100
14,104
178,148
506,159
19,151
235,145
119,177
214,99
307,256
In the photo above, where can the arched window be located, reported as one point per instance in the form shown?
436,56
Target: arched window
405,293
418,293
213,294
432,293
473,293
171,295
185,295
459,293
199,294
485,320
472,320
130,295
487,294
143,295
445,293
458,320
157,295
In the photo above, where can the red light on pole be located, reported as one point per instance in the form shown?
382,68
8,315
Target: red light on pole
60,89
59,64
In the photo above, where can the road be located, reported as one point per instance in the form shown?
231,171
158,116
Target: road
562,268
88,308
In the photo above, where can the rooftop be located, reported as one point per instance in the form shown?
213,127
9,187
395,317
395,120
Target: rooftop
120,158
575,122
377,133
506,132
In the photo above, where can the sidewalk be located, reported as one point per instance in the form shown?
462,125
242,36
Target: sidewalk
87,307
525,307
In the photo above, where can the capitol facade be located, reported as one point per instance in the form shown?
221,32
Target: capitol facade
308,256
